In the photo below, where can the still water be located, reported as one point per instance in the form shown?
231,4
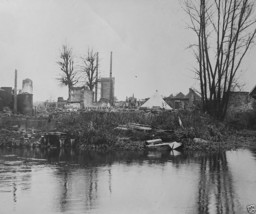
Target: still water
34,181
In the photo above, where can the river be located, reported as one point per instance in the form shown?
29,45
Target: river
39,181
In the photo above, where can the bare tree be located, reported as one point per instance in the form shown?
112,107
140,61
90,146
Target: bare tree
225,30
89,69
68,77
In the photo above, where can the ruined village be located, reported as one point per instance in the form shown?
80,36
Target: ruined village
127,107
95,120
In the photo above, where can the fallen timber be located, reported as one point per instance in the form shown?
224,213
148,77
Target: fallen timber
165,146
154,141
134,126
162,143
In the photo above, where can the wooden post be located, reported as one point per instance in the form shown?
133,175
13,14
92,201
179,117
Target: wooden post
97,72
111,84
15,93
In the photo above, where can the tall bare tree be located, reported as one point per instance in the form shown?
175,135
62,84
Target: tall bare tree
89,69
225,30
68,77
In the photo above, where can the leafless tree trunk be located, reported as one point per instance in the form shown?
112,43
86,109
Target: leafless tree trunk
68,77
225,30
89,69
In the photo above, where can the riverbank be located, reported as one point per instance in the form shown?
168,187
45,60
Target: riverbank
101,131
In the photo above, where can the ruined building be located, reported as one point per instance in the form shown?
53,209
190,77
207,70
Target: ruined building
239,101
107,89
25,98
181,101
81,97
6,98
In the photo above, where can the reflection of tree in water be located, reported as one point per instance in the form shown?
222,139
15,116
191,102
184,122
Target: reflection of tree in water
76,188
15,174
64,194
65,173
91,193
215,185
110,180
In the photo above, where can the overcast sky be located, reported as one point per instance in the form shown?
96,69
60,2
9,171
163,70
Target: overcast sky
148,38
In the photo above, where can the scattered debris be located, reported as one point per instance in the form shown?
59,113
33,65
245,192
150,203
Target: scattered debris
199,140
154,141
165,146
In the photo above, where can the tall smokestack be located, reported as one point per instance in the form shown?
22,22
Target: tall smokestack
15,93
97,73
111,82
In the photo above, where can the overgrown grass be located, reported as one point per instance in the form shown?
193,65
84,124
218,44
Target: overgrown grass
97,129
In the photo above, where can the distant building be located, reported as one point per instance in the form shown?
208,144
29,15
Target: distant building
50,106
239,101
27,86
193,97
131,102
253,93
6,97
120,104
181,101
81,96
25,103
9,90
238,98
25,98
107,89
61,102
61,99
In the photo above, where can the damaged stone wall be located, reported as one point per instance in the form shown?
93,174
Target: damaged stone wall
82,95
88,98
239,102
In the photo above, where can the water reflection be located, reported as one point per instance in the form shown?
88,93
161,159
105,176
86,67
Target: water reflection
215,192
64,181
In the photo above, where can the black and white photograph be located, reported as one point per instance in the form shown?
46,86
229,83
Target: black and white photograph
127,106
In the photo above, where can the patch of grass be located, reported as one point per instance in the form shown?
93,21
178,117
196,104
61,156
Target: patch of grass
97,129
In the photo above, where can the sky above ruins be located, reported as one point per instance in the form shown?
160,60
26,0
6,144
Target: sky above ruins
149,40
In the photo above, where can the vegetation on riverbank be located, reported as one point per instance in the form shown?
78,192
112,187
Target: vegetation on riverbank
98,130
